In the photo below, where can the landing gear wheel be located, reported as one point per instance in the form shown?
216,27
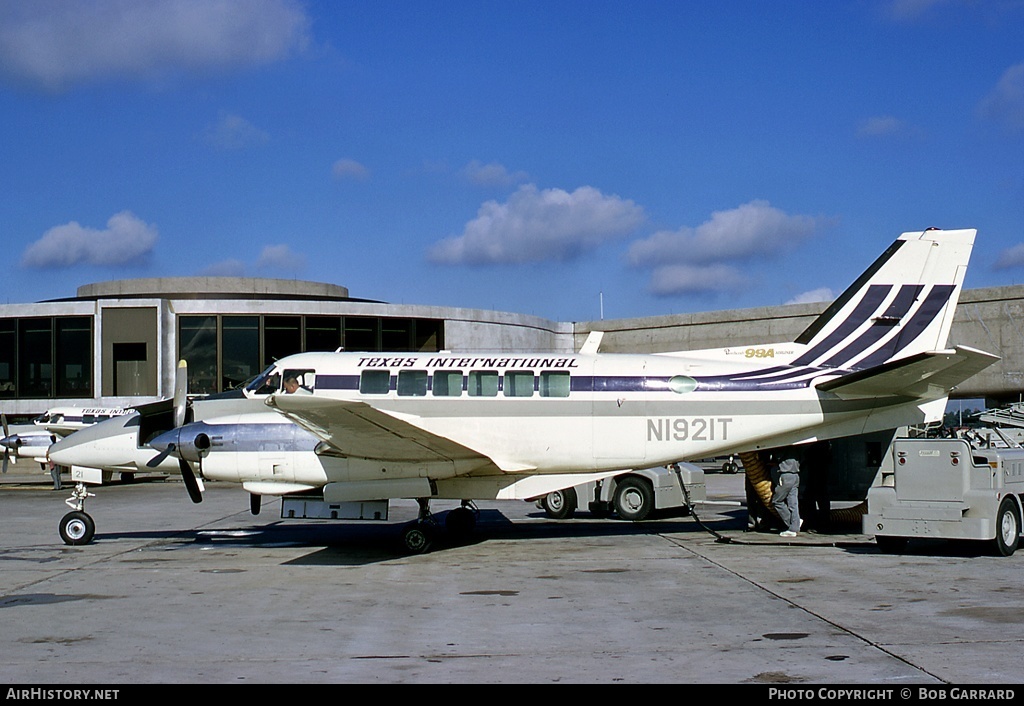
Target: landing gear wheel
891,545
634,499
730,467
560,504
1007,527
77,528
416,538
460,522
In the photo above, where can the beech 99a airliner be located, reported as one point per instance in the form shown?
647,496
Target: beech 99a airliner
363,427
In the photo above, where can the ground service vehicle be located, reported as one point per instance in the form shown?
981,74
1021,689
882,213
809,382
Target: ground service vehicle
945,488
632,495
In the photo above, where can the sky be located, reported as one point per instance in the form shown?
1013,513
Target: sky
570,159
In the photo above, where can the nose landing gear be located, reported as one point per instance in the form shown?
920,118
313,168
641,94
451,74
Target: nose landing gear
77,527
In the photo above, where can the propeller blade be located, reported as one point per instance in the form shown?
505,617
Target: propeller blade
180,393
160,457
7,433
192,484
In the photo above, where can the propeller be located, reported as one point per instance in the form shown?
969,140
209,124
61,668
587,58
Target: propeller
7,450
193,483
170,442
180,393
179,407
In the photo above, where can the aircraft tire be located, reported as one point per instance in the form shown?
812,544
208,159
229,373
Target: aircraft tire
634,499
416,538
460,522
560,504
1007,527
77,528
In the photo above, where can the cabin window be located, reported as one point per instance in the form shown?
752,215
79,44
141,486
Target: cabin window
554,384
448,383
483,383
681,384
375,382
519,383
412,383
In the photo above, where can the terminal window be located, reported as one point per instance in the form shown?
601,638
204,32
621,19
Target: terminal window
49,356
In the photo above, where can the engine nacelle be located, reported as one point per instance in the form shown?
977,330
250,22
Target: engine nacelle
191,442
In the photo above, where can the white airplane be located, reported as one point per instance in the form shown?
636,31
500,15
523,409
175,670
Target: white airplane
32,441
23,441
373,426
62,421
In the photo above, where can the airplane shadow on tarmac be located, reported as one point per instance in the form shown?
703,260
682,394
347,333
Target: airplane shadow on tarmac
358,543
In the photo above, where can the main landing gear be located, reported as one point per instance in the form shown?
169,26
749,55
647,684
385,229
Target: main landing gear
77,527
418,536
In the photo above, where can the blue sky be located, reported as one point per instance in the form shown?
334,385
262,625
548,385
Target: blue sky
534,157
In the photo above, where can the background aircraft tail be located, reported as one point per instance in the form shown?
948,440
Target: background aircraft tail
901,306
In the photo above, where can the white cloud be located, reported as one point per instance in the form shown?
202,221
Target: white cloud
233,132
755,229
224,268
1005,103
281,259
696,279
492,174
126,239
349,169
880,126
1011,257
822,294
274,261
57,43
908,10
535,225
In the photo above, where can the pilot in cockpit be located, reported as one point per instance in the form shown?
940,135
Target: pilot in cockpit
292,386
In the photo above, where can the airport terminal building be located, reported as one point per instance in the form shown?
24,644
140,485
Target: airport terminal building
117,343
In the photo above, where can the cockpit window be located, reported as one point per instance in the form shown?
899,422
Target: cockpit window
298,381
266,383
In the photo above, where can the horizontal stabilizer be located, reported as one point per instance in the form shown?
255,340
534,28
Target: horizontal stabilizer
929,375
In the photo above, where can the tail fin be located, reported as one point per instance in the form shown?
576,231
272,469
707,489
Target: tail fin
902,306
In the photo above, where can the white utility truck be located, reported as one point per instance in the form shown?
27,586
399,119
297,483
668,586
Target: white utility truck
632,495
948,489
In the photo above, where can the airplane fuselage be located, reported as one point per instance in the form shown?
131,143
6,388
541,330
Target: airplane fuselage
576,413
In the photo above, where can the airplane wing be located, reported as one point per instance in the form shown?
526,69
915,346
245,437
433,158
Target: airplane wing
928,375
356,429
